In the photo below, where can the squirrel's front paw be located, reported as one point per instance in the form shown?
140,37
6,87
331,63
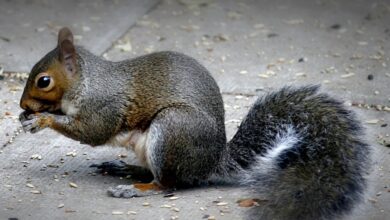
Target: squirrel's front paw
35,122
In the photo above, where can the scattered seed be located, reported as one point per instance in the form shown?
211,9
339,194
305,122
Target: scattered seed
29,185
145,204
258,26
175,209
124,46
169,194
373,200
35,192
173,198
243,72
73,154
294,21
36,157
131,213
122,155
73,185
117,212
372,121
166,206
222,203
61,205
300,74
211,217
347,75
263,76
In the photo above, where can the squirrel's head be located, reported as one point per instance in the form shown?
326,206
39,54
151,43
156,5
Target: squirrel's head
51,76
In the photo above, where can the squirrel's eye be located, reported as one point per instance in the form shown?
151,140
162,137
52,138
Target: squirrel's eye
43,82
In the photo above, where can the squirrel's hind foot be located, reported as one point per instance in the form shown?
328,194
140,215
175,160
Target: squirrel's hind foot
135,190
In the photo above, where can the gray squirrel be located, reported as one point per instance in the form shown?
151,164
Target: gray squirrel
299,150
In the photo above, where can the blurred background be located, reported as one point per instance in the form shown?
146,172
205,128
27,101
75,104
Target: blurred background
250,46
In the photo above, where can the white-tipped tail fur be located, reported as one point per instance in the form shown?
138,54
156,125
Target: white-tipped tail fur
284,140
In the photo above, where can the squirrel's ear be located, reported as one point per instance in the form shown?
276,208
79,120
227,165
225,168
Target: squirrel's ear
67,51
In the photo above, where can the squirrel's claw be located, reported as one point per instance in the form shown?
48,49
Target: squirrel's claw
114,168
120,168
30,124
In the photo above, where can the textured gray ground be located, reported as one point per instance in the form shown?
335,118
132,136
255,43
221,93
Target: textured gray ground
251,47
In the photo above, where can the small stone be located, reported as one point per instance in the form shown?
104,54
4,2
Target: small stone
336,26
271,35
370,77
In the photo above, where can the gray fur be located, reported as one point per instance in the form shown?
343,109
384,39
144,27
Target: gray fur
322,176
175,97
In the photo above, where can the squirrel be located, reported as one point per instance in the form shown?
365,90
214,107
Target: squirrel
299,150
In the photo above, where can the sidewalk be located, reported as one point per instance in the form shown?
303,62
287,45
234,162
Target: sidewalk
250,47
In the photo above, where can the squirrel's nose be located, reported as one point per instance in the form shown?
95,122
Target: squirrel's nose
25,102
24,105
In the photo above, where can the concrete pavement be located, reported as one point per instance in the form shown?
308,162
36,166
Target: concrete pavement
251,47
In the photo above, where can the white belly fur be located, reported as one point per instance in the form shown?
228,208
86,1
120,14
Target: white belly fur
134,140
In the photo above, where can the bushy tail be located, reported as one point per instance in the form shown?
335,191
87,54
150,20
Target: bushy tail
301,153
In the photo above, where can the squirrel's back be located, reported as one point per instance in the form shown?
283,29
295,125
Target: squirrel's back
302,154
